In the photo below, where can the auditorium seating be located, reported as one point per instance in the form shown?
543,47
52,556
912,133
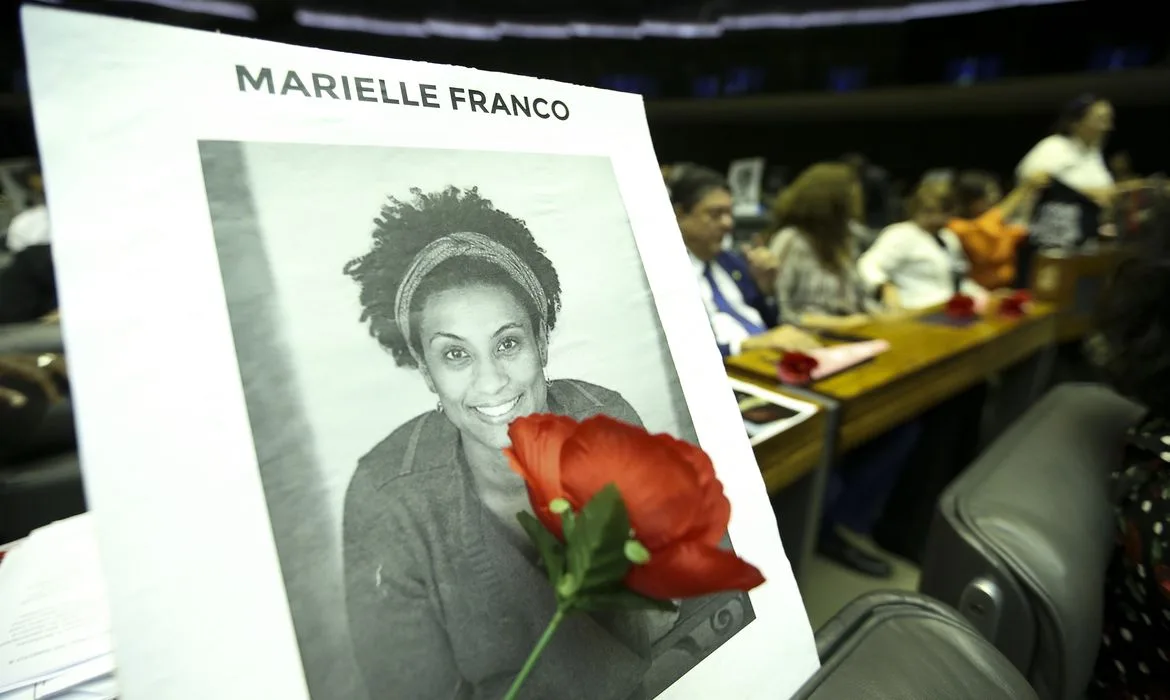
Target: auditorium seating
905,646
1021,540
40,479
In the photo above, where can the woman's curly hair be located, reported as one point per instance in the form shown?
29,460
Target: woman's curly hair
406,227
1132,343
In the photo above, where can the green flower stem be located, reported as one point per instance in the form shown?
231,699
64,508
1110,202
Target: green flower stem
554,623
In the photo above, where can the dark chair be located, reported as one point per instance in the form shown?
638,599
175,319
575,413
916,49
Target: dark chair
40,475
905,646
1021,540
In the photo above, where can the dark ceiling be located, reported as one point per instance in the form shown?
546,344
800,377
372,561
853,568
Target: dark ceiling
618,11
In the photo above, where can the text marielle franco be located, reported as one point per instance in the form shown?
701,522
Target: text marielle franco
346,87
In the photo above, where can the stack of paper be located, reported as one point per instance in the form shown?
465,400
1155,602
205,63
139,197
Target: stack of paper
54,619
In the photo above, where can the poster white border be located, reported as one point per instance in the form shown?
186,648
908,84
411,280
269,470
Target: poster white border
198,602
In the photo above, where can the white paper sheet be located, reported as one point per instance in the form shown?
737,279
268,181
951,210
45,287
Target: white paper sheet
159,145
53,603
96,689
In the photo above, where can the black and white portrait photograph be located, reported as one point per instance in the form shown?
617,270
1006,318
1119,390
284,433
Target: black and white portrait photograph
392,311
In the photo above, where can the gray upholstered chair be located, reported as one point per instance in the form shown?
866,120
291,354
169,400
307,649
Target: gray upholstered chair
1022,539
905,646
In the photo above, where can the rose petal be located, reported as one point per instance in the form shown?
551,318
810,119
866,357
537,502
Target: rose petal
691,569
659,488
714,512
715,516
535,454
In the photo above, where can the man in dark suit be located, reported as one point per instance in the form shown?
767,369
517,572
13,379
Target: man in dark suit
736,285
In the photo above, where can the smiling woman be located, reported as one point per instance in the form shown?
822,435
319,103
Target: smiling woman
444,594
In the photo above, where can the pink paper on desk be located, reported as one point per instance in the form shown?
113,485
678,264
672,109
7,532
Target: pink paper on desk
836,358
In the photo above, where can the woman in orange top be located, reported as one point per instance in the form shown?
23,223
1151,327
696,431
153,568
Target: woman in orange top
989,241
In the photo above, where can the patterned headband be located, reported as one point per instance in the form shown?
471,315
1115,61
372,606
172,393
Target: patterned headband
464,244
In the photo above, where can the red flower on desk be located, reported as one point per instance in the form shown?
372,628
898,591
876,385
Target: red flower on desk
960,306
796,368
1015,305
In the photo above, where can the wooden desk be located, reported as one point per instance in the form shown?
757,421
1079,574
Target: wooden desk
1073,283
795,465
925,365
795,452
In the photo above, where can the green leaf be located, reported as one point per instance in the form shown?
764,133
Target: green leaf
622,599
552,552
596,544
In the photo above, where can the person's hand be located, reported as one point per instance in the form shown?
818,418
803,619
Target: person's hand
35,370
12,398
819,321
890,297
1038,181
784,338
888,315
763,265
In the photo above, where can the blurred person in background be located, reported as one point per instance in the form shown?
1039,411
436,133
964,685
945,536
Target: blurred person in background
733,284
1070,212
1132,347
28,289
991,226
1072,152
920,263
818,284
31,226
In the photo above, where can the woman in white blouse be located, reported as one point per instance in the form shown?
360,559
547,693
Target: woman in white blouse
1072,153
919,263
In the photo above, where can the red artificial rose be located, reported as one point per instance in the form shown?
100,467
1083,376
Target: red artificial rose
1015,305
675,502
960,306
796,368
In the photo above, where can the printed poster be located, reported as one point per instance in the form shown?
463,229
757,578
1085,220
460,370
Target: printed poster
745,177
303,294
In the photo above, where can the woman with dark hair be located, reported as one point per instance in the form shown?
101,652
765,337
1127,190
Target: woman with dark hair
818,284
444,591
1132,347
1072,152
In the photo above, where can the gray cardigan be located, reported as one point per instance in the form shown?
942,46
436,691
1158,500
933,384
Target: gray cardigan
442,602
